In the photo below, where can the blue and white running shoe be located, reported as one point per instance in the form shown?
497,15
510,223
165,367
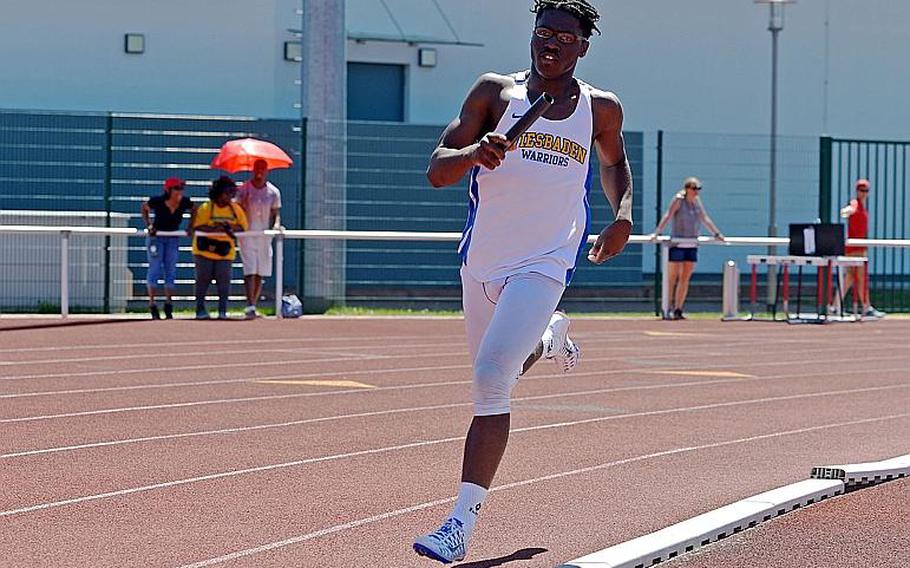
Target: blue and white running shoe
446,545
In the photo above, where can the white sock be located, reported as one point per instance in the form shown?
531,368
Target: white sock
467,507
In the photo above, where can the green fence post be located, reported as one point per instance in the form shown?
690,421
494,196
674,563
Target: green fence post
824,179
659,211
108,158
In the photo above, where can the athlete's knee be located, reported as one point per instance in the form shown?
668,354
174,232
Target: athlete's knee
493,384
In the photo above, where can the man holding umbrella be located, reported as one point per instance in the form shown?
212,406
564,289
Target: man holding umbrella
260,201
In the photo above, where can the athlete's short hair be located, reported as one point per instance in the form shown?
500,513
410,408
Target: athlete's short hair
586,13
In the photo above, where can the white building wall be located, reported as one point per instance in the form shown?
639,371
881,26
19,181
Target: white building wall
683,65
202,56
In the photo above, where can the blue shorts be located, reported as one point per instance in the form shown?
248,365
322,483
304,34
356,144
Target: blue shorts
163,265
679,254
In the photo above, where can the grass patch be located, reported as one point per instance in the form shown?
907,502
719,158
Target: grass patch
262,311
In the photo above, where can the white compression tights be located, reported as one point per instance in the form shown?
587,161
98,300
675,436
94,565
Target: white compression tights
504,320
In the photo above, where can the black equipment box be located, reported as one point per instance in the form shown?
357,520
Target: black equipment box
817,239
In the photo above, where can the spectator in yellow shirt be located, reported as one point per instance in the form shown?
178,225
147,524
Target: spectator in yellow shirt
215,244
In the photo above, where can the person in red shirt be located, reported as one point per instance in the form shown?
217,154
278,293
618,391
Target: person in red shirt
858,228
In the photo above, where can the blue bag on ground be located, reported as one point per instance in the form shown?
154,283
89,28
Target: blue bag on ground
291,307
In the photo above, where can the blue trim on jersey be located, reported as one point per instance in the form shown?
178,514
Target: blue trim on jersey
474,201
584,239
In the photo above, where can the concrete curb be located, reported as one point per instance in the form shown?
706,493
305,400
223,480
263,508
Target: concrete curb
688,535
858,475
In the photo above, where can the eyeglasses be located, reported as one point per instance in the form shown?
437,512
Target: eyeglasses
863,190
565,38
695,187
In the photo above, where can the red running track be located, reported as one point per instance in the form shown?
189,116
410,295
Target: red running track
327,442
858,530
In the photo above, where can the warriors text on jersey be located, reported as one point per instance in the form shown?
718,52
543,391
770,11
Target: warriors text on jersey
531,214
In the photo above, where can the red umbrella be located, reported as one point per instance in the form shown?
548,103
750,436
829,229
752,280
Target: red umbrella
240,155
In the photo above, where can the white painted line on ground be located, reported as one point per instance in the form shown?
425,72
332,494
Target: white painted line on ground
362,353
422,409
667,352
163,370
359,339
458,351
156,355
231,473
317,534
329,338
397,513
425,443
142,408
675,369
317,383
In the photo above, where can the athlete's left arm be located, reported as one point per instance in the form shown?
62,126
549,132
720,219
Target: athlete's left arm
615,175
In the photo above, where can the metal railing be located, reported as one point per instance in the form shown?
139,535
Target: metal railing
280,236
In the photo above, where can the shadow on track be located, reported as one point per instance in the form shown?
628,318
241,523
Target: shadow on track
523,554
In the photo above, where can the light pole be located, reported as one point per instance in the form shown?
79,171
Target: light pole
775,25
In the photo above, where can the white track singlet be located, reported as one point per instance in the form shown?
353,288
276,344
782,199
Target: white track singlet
531,214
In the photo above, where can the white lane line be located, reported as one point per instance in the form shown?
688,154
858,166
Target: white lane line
314,350
163,370
320,375
459,351
544,478
345,416
357,339
171,355
141,408
425,443
300,422
687,353
159,369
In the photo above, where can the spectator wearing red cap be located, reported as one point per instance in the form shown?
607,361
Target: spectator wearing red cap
857,216
168,209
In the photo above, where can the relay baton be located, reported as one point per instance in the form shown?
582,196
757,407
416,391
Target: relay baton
537,109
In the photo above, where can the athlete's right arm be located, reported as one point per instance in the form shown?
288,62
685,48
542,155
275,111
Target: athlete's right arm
849,210
464,143
146,217
674,206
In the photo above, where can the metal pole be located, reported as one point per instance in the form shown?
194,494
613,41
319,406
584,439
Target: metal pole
64,273
665,279
775,27
658,266
108,165
301,195
824,179
279,273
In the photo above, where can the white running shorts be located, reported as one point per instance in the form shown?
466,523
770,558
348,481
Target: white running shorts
504,320
256,253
